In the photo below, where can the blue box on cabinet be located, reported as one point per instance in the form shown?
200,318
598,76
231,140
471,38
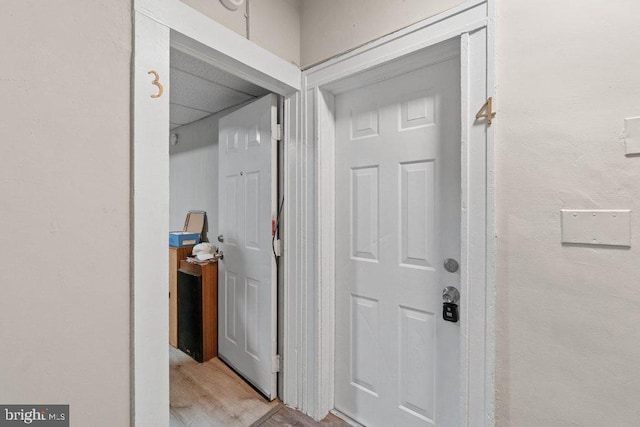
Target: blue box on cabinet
195,229
183,238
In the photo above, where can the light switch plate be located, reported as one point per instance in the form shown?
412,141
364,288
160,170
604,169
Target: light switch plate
632,135
596,227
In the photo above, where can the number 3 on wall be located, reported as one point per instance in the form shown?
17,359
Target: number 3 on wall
156,82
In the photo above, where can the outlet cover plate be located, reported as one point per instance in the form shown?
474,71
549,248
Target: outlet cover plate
596,227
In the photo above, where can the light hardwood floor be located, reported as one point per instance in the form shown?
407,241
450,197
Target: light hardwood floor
211,394
287,417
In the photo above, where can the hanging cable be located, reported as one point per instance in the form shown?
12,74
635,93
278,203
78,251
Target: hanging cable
276,232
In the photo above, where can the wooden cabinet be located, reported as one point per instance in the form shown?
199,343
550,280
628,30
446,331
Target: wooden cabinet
198,310
175,256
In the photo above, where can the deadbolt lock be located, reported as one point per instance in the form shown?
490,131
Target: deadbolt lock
450,298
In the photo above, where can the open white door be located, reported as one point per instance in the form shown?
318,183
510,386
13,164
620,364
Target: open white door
247,289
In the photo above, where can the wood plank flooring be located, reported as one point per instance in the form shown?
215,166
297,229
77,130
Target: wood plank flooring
288,417
211,394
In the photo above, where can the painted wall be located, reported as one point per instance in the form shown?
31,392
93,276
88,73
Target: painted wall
568,340
64,206
273,24
330,27
194,173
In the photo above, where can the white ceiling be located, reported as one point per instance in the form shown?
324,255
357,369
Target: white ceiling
199,89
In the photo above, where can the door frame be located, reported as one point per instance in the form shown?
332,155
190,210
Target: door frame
470,27
159,25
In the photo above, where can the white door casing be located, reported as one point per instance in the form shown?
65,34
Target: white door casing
471,27
397,220
160,24
247,291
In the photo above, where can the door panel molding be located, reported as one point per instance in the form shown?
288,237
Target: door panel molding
467,31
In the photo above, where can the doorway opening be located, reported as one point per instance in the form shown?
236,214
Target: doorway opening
159,27
223,160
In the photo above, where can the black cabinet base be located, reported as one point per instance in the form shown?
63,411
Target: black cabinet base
190,314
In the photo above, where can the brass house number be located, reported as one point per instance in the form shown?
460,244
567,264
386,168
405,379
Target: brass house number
156,82
487,111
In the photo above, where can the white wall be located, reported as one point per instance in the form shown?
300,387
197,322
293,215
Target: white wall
273,24
233,20
330,27
194,173
569,342
64,206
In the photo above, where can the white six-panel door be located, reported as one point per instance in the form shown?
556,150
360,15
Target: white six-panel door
397,220
247,313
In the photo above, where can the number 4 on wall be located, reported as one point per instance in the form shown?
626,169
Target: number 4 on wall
487,111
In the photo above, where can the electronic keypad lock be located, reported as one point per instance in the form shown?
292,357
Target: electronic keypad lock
450,298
